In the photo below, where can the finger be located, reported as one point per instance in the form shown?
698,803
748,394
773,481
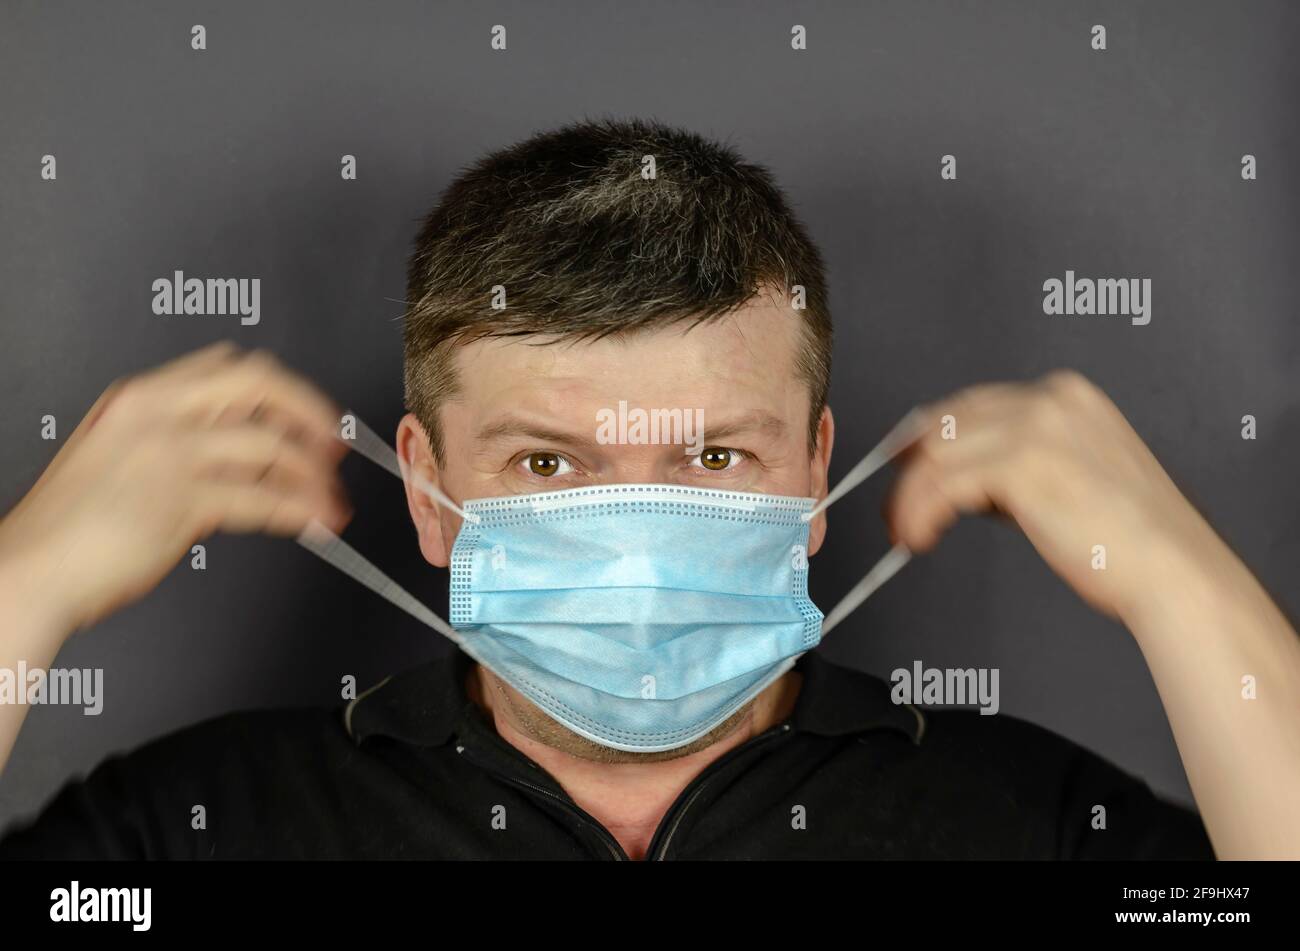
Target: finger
927,499
916,513
972,425
141,399
257,382
269,417
252,451
329,446
265,507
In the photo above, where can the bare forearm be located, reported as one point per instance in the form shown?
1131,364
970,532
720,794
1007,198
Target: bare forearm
1227,665
216,440
31,634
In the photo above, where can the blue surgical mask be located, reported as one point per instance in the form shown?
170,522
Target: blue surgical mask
638,616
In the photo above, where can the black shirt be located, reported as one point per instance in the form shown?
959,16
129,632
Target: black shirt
414,769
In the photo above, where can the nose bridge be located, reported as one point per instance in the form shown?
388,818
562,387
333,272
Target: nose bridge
649,463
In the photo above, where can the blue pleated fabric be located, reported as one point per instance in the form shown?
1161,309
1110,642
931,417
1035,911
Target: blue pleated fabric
639,616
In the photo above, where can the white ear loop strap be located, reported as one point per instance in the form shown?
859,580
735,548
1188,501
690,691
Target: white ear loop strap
322,542
319,540
895,441
884,569
381,454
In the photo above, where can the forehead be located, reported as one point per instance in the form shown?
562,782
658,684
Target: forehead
749,354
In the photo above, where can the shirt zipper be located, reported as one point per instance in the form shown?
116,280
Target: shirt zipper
678,811
608,840
672,820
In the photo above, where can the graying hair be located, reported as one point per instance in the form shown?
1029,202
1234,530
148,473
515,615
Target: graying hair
587,247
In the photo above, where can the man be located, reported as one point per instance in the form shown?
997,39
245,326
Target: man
680,289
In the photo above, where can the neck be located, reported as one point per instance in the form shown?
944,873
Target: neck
630,799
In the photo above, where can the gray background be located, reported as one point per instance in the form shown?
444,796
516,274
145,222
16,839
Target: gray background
1124,163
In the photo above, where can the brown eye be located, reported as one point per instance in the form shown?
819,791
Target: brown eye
715,459
544,463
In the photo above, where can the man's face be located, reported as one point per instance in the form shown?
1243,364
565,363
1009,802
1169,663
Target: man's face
527,414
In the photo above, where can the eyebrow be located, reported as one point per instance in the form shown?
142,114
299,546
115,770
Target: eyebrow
510,426
506,427
756,421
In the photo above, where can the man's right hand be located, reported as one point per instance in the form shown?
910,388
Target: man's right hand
217,439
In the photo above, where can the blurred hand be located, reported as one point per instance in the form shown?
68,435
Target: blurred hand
217,440
1058,458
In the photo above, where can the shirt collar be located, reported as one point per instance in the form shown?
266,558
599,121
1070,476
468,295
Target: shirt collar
838,701
423,705
419,706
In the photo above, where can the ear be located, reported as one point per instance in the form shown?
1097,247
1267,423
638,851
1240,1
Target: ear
416,458
818,468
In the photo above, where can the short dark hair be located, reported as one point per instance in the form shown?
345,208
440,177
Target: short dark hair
587,246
